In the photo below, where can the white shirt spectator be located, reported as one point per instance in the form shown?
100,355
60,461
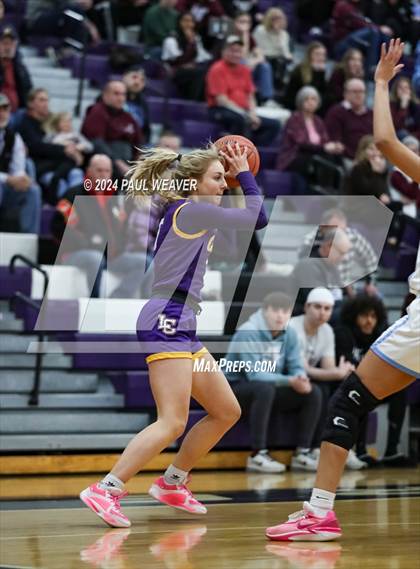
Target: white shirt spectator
320,345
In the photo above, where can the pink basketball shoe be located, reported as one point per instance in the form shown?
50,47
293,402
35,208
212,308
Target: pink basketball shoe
176,496
306,526
105,505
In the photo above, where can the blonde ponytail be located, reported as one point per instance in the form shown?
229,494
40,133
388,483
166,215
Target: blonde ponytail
161,163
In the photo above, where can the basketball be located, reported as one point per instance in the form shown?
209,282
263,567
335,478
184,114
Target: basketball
252,154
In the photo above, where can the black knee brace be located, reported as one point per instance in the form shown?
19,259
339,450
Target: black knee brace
348,405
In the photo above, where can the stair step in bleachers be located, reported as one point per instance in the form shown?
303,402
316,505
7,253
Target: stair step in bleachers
51,382
62,442
63,401
38,73
11,343
11,325
13,243
54,361
75,421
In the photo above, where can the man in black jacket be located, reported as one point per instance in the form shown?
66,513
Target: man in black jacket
15,81
57,166
20,196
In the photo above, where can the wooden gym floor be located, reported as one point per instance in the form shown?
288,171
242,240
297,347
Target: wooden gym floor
43,524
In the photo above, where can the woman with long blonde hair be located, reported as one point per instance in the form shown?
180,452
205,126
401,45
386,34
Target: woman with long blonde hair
311,71
192,185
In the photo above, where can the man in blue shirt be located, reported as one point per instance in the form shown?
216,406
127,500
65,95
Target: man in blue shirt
281,387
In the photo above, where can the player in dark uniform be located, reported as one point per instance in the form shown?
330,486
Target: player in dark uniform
166,327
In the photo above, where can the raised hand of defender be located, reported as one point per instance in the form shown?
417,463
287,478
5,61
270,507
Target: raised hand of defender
388,65
235,159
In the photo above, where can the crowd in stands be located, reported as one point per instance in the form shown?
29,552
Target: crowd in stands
249,68
311,359
243,62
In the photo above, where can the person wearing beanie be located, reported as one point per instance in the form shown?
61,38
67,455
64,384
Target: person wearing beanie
317,342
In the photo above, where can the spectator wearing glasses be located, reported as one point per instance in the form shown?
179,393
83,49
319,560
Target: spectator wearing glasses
351,119
321,268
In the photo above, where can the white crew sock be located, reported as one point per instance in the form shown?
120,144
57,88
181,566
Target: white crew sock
112,484
322,501
174,475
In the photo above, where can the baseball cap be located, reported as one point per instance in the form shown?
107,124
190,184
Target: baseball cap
8,32
4,100
320,294
232,40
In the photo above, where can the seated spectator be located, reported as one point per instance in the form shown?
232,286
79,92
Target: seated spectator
48,17
159,22
312,71
351,28
230,96
57,166
349,120
316,339
15,80
169,139
405,108
112,129
321,268
18,192
97,223
184,51
350,67
209,17
265,337
405,189
135,81
272,38
61,131
369,175
305,137
362,321
262,71
360,256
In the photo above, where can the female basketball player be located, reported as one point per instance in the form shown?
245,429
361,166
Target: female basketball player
392,363
166,326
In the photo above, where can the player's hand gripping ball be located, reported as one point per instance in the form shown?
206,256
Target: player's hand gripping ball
252,154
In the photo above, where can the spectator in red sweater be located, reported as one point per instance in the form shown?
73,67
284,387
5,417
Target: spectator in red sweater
408,191
306,136
405,108
113,130
351,66
349,120
351,28
231,96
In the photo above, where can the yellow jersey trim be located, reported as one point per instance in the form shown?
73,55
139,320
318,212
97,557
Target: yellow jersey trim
182,233
200,353
168,356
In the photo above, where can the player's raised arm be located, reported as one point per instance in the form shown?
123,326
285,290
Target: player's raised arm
383,127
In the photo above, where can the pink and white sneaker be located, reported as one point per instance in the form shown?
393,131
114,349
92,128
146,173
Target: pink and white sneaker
306,526
177,496
105,505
